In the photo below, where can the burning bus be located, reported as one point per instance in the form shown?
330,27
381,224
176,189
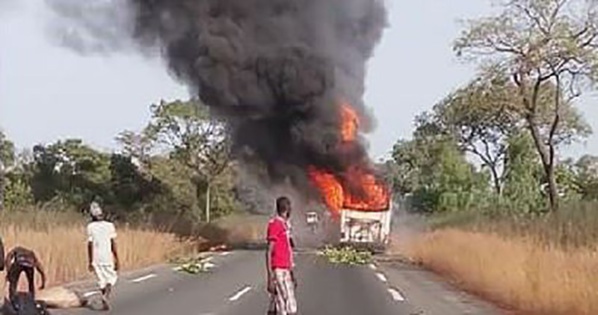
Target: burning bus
358,201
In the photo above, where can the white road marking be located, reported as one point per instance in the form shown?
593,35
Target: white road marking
239,294
147,277
381,277
90,293
396,295
224,253
373,267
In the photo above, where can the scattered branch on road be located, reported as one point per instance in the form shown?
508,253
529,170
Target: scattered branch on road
194,265
346,255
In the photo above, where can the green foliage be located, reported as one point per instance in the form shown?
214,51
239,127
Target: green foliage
523,176
17,194
200,143
346,255
7,154
436,174
194,265
71,169
7,150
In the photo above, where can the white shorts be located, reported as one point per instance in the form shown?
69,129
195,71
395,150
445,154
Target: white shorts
106,275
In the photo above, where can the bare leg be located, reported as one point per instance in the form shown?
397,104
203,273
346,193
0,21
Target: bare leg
108,290
13,279
29,272
106,296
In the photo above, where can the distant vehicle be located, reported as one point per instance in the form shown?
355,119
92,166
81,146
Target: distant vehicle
312,217
367,229
312,220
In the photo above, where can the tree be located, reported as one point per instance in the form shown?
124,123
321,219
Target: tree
483,115
523,175
434,171
581,176
479,118
130,188
538,43
195,138
138,147
7,158
70,170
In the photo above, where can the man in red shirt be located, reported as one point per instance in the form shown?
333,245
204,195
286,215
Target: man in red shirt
279,261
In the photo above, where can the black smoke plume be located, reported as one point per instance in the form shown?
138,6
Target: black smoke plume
277,70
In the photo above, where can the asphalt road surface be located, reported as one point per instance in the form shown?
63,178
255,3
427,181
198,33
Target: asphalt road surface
235,286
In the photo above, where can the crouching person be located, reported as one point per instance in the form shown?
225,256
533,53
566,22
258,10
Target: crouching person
22,260
102,253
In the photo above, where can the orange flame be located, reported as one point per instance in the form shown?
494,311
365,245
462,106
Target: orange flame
375,196
330,189
349,123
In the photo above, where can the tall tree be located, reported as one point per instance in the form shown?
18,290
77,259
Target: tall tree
7,158
196,139
535,43
479,118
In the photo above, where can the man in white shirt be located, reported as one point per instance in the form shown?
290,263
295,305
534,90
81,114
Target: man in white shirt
101,252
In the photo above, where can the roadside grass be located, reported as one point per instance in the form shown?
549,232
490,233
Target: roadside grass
243,229
58,237
59,240
537,265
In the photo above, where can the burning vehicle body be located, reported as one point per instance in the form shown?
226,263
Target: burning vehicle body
361,205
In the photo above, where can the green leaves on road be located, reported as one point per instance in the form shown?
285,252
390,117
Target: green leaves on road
195,265
346,255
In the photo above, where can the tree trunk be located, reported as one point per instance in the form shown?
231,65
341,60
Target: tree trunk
552,187
496,179
545,149
547,158
208,203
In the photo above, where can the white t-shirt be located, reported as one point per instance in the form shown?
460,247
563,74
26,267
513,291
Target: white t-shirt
100,234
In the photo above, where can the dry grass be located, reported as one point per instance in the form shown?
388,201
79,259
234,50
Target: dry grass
243,229
523,273
60,242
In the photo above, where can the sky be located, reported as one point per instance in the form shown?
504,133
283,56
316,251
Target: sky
48,92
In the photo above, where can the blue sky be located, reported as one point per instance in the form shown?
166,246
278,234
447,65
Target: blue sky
48,92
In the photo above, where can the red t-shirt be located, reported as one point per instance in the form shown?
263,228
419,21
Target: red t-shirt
282,254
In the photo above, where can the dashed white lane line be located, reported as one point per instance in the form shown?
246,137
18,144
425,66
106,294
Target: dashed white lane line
381,277
396,295
239,294
373,267
144,278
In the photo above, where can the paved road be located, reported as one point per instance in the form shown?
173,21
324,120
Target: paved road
235,286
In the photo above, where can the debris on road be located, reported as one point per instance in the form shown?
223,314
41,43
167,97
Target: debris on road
195,265
346,255
60,297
